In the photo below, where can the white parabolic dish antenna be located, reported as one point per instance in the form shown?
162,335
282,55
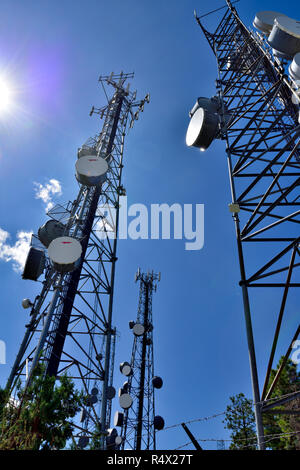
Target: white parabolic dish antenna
264,20
64,253
91,170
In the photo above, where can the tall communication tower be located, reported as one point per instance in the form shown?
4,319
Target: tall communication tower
138,420
71,329
256,112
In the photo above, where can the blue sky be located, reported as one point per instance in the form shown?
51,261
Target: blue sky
52,53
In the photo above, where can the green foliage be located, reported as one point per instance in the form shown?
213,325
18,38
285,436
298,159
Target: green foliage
282,423
239,418
41,419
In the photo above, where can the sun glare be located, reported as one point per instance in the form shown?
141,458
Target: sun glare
5,96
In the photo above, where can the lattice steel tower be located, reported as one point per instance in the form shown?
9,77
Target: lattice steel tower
71,328
256,111
138,421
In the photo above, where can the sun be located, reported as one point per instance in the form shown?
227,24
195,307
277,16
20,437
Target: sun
5,96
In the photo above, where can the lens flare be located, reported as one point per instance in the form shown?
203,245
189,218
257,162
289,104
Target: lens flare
5,96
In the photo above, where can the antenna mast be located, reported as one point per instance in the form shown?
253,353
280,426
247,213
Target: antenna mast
71,328
139,422
256,112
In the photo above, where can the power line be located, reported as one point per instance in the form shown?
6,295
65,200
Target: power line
274,436
206,418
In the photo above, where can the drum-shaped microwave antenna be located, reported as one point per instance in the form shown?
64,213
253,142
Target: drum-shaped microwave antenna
294,68
125,368
210,104
285,37
49,231
157,382
65,253
110,392
83,442
111,437
264,20
91,400
91,170
118,440
159,423
26,303
86,151
202,129
118,418
34,265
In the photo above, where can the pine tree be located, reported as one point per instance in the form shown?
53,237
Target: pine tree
239,418
41,417
288,382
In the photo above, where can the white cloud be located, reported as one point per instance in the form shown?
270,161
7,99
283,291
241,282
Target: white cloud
16,253
46,191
